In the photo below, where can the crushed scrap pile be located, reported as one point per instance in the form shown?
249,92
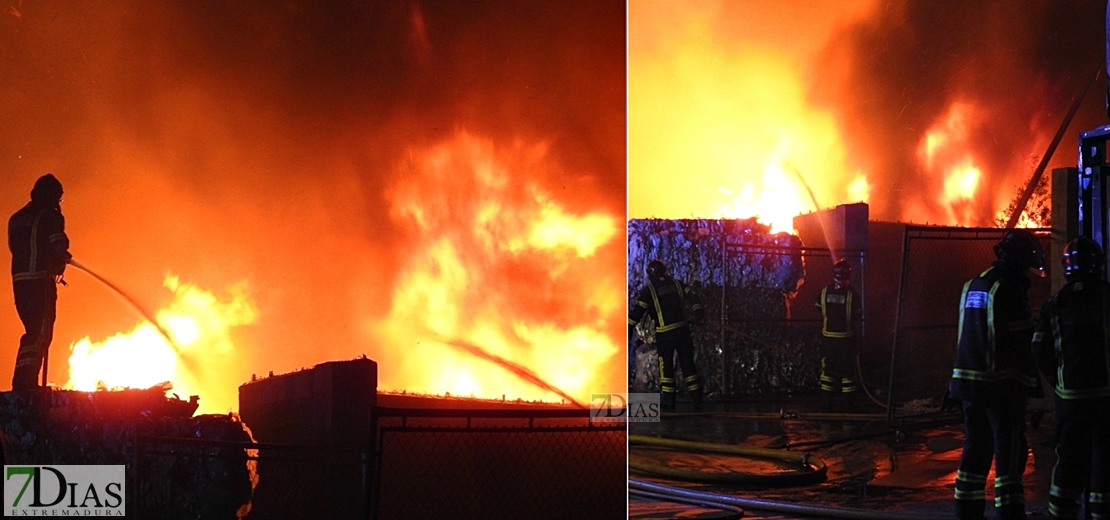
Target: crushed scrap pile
171,472
744,275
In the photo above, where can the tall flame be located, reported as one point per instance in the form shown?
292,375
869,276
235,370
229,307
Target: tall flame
502,263
726,97
199,362
946,153
724,129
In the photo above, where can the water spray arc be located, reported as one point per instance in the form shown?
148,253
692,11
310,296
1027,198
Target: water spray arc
516,369
817,208
134,304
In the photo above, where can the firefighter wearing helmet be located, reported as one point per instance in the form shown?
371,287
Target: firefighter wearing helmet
1072,349
993,375
840,312
666,300
40,252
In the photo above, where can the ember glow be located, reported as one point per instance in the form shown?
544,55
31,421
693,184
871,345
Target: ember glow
502,264
725,97
201,327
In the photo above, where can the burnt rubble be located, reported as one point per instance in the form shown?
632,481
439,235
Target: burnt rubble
171,469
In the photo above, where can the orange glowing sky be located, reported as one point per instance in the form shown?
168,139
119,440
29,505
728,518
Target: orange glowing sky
255,150
929,113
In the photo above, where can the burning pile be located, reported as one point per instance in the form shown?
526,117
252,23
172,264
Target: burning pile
500,263
200,325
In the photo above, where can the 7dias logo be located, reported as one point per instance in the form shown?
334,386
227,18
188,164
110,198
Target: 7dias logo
613,408
63,491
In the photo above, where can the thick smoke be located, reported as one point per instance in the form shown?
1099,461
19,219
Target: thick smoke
893,75
256,141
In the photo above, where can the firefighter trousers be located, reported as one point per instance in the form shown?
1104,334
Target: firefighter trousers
36,303
668,343
1082,449
994,429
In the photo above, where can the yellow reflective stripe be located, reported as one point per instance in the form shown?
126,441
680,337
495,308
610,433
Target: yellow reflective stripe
1009,498
57,236
30,276
632,321
963,311
979,375
971,478
34,240
672,326
972,494
1065,493
1007,480
991,345
1080,393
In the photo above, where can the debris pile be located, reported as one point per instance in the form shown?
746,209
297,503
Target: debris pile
169,474
744,276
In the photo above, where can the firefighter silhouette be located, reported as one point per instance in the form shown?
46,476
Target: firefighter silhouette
993,375
666,300
40,252
1072,350
840,312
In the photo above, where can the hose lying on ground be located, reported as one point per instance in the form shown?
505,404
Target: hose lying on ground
803,510
678,499
806,468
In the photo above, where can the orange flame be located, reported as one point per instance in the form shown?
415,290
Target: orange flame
200,325
945,152
719,126
501,263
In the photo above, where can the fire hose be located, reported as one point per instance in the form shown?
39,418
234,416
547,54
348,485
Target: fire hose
803,510
859,372
804,467
134,304
187,361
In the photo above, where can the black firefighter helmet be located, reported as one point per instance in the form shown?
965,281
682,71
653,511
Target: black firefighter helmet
1083,260
47,190
656,268
1020,249
842,272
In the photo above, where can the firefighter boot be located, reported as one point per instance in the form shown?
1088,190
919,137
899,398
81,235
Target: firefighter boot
666,403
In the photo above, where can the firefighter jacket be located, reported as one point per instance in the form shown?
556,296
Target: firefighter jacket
840,308
666,300
38,242
1072,345
993,355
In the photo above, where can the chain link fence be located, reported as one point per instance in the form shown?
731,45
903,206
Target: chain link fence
510,463
936,262
182,478
419,463
761,331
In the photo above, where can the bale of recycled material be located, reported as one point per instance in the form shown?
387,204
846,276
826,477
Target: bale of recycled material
167,478
744,276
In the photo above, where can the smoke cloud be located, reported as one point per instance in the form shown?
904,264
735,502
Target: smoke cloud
257,141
